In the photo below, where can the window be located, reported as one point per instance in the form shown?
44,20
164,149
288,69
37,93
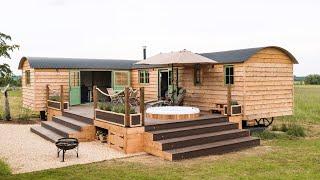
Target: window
197,74
228,74
27,76
121,78
143,77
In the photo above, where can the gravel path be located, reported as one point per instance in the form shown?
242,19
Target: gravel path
25,151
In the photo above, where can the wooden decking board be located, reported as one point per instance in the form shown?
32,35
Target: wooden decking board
170,125
58,128
210,149
45,133
69,122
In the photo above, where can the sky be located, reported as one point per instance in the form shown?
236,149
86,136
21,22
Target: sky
117,29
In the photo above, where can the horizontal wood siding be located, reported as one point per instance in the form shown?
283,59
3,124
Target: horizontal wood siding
28,94
150,89
54,78
268,85
212,89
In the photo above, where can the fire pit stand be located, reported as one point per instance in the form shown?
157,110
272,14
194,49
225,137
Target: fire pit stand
64,144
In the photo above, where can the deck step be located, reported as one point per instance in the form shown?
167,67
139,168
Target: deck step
45,133
69,122
186,123
213,148
205,138
78,117
192,130
58,128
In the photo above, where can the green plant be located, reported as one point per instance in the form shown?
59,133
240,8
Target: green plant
265,135
234,102
4,169
54,98
296,130
274,128
284,128
25,114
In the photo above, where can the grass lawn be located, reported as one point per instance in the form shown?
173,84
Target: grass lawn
280,158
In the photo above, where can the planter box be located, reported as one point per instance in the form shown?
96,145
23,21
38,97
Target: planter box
235,110
57,105
117,118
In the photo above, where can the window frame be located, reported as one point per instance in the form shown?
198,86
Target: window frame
27,77
228,76
144,76
197,74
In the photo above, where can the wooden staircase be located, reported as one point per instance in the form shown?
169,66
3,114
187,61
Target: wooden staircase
66,125
204,136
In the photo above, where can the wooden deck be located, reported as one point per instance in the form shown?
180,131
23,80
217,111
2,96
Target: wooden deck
86,110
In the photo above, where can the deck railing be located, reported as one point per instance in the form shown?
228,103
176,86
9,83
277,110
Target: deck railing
125,119
55,100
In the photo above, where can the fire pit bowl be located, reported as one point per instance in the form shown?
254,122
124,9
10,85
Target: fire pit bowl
64,144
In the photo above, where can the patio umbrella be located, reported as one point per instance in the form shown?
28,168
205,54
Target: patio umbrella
177,58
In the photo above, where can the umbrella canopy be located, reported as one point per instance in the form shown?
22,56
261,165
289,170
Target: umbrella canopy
178,57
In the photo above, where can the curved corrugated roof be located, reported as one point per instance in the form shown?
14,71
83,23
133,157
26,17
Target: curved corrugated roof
241,55
76,63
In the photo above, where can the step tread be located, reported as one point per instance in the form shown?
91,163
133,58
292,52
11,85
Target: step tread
210,145
60,127
46,132
190,127
72,121
184,138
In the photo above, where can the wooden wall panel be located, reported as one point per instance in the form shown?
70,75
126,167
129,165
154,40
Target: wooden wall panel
151,89
268,85
54,78
28,94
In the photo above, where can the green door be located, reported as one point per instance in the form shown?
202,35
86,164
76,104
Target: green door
120,80
74,88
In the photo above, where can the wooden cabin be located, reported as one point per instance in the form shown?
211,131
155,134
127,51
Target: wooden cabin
261,78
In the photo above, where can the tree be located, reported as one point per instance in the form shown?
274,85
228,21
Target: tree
6,48
5,71
312,79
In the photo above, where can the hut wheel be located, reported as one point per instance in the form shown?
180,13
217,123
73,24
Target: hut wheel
264,122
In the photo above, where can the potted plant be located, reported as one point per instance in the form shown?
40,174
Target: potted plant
102,136
55,103
115,114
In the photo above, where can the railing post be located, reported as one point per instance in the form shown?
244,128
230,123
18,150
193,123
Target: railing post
142,105
61,98
95,99
127,107
47,95
229,100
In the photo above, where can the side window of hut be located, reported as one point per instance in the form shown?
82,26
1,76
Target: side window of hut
197,74
27,76
143,77
229,74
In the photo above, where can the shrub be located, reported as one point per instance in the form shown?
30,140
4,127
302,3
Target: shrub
296,130
117,108
274,128
25,114
284,128
266,135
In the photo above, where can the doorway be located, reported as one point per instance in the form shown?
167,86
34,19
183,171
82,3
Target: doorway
164,83
102,79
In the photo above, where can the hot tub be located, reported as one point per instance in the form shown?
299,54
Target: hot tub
172,112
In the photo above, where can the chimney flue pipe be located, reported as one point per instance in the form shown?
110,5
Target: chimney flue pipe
144,52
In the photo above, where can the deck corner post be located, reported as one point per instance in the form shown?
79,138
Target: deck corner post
95,99
142,105
229,100
127,107
61,98
47,95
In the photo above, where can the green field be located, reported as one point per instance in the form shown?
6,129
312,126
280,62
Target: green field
284,157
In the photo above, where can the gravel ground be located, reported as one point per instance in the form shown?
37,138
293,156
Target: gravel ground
25,151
